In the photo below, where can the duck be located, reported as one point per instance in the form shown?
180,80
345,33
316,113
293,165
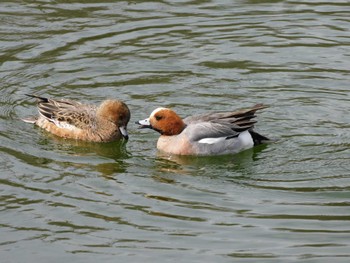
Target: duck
72,119
213,133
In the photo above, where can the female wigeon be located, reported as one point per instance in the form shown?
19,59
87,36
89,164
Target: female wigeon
71,119
207,134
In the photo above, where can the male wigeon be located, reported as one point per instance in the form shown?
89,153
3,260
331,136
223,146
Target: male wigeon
213,133
72,119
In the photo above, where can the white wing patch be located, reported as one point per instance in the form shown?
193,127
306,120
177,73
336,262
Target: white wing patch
64,125
60,124
212,140
244,138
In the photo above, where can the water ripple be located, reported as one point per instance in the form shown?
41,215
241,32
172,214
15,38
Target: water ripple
87,202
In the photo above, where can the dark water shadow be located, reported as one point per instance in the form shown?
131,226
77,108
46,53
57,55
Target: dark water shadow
114,150
200,165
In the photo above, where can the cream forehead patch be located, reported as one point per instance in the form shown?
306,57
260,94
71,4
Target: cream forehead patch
157,110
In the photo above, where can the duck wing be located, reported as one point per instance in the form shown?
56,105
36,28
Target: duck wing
240,120
210,132
64,112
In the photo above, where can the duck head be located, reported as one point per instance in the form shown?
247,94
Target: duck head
116,112
163,120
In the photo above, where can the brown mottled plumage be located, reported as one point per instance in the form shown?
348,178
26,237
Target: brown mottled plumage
75,120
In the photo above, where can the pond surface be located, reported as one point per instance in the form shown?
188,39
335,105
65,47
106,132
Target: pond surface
68,201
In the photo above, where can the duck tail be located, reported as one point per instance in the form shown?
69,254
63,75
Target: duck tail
30,119
37,97
258,138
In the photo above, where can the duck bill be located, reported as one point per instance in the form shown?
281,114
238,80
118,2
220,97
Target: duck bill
124,132
144,124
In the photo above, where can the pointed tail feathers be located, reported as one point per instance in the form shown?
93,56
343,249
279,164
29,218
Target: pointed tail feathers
258,138
30,119
37,97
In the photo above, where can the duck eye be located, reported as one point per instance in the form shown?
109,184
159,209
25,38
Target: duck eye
158,117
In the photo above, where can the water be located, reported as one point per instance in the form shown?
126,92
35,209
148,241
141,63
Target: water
84,202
